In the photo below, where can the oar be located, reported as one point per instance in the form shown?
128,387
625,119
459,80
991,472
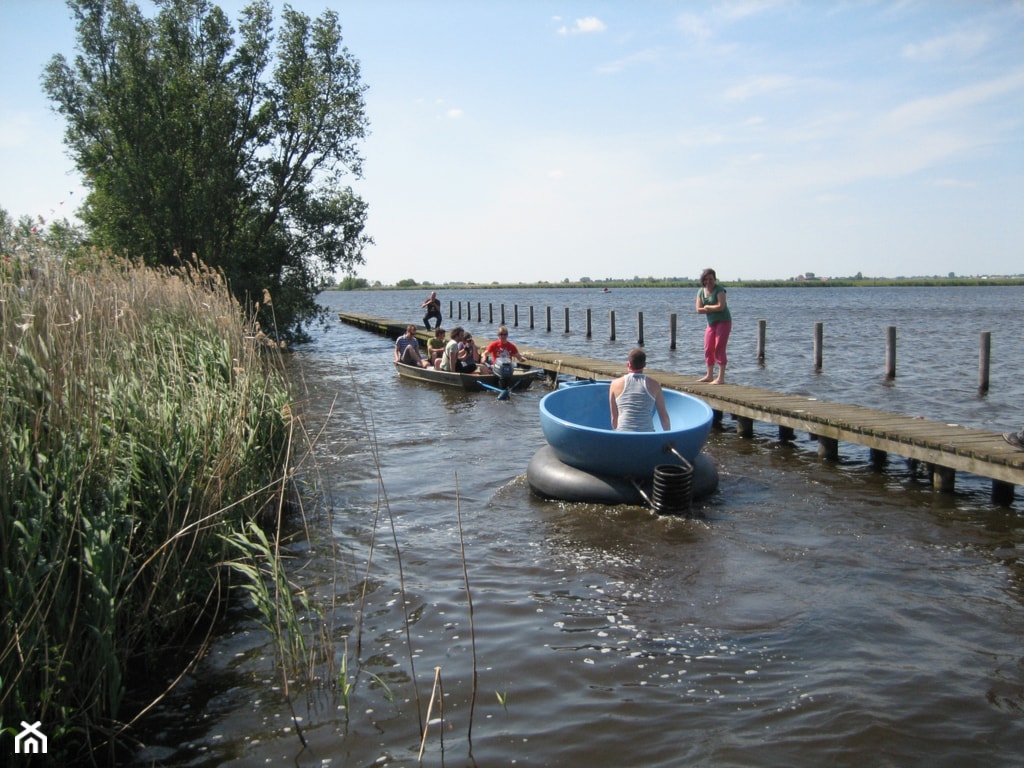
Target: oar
503,394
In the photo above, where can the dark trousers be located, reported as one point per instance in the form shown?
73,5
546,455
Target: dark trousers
432,313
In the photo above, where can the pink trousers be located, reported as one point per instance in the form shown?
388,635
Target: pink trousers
716,337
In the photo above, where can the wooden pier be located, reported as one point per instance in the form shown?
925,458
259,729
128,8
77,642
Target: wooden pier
943,448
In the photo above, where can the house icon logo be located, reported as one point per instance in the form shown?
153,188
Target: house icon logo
31,741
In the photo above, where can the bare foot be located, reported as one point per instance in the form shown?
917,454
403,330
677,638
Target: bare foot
705,379
718,381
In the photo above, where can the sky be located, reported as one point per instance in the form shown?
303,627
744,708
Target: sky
534,140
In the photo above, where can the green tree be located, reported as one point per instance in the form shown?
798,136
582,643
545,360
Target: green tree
234,146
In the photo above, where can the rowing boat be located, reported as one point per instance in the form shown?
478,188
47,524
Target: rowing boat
471,382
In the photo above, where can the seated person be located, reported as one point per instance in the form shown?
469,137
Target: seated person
472,350
455,357
407,349
500,354
435,346
634,398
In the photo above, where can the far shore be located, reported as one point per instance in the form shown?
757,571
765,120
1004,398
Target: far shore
599,286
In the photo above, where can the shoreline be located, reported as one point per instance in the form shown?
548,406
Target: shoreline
881,282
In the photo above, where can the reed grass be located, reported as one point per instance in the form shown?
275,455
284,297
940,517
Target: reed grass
143,426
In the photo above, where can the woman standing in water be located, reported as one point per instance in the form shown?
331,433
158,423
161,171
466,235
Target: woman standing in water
711,302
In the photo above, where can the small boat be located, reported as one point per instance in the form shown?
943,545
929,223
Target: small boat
586,460
471,382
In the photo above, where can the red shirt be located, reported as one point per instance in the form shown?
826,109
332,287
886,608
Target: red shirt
496,348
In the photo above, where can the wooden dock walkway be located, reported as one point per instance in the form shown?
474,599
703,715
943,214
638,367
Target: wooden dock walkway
944,449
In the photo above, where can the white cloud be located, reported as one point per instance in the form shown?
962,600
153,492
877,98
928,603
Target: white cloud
742,9
454,114
956,102
962,44
757,85
694,26
584,26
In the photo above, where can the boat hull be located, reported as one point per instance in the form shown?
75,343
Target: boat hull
471,382
576,421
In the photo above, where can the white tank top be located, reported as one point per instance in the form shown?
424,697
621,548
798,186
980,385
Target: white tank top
636,405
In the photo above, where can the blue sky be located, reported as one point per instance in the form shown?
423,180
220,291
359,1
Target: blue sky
527,140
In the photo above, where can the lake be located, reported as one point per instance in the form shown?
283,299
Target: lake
811,613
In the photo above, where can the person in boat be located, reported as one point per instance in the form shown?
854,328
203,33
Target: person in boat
436,345
635,397
472,351
499,355
433,308
455,357
711,303
407,349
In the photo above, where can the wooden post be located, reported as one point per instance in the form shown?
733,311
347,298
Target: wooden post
818,336
761,327
460,310
531,317
515,315
890,352
786,433
943,479
450,312
744,427
566,313
984,358
672,331
490,313
478,315
640,328
590,324
549,318
828,448
611,324
502,314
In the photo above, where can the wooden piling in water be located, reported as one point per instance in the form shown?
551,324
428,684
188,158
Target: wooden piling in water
984,358
890,352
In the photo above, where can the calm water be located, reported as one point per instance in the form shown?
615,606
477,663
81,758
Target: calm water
814,614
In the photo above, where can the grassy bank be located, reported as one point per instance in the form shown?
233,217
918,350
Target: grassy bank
142,427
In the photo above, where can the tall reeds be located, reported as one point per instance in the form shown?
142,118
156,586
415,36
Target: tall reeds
142,425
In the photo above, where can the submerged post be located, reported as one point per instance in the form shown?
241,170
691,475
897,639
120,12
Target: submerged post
818,337
611,324
761,326
640,328
566,314
549,318
890,352
531,317
590,324
515,315
672,331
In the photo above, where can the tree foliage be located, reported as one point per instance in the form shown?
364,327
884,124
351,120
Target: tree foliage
233,145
